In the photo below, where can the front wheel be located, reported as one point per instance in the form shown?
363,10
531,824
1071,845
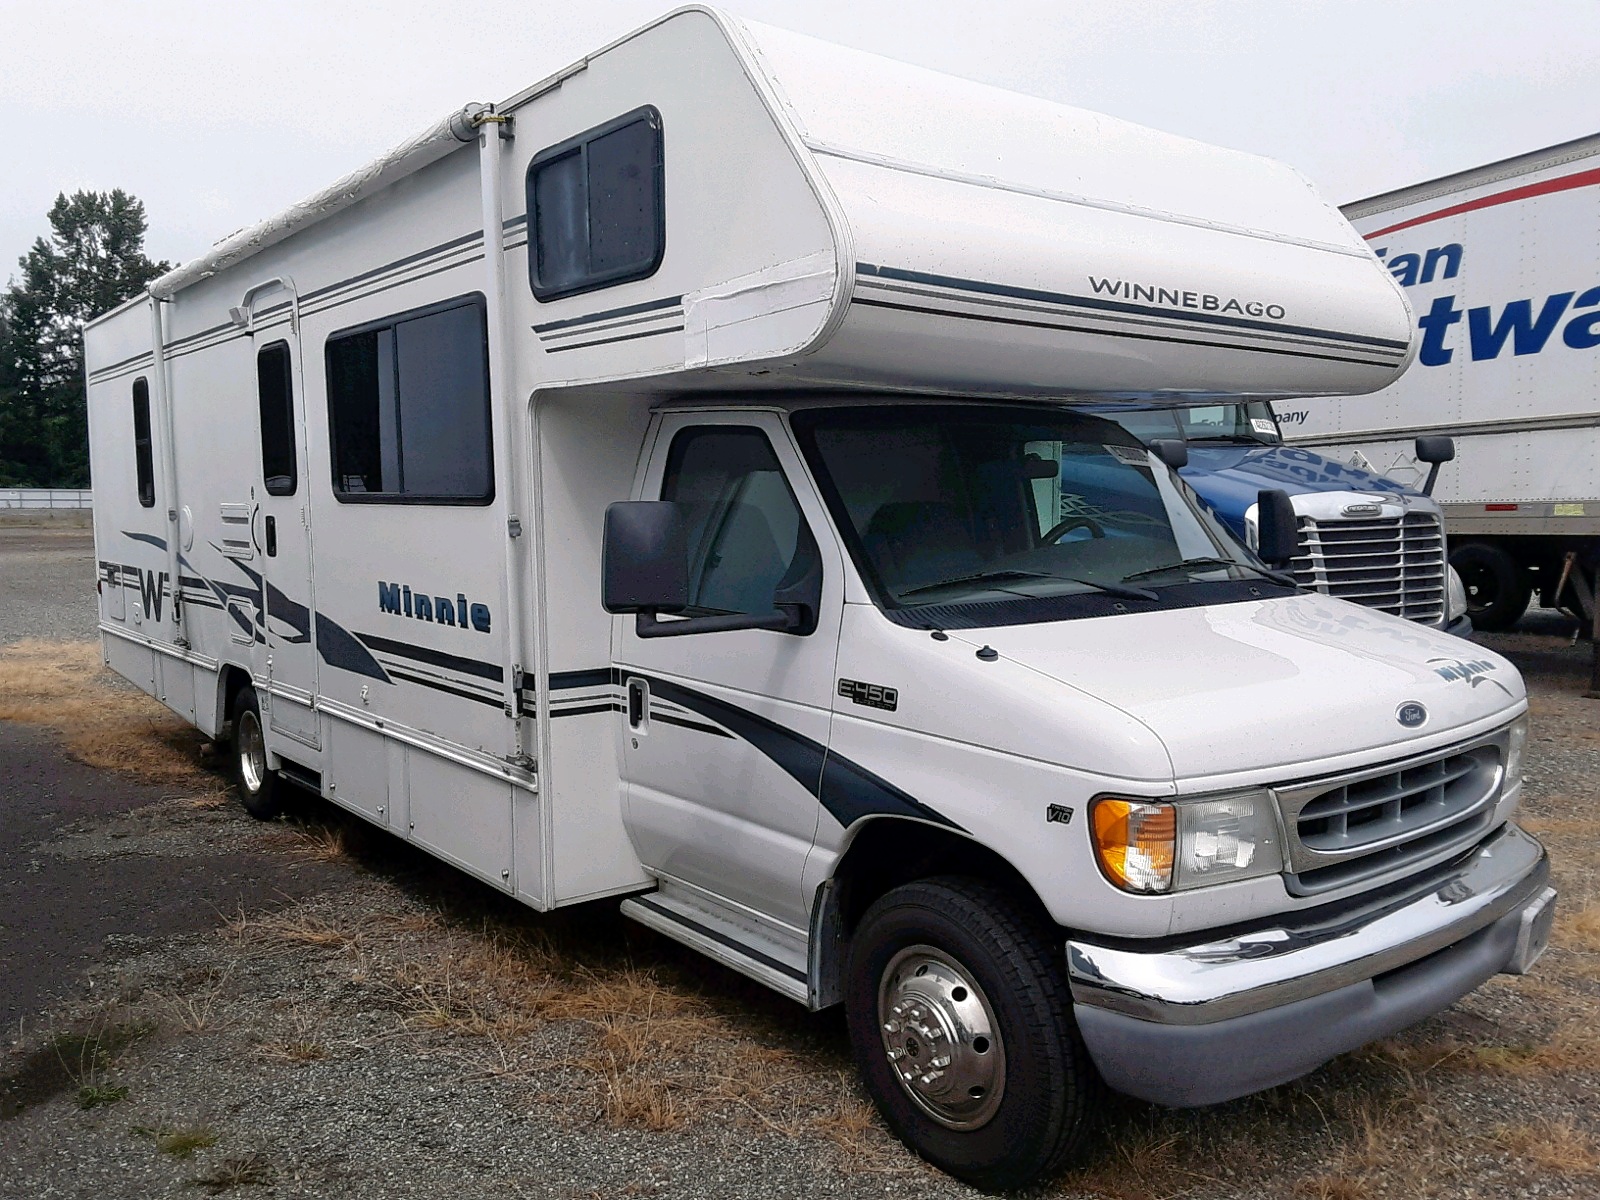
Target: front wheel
960,1020
258,784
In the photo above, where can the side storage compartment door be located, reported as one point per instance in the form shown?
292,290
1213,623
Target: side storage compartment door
725,734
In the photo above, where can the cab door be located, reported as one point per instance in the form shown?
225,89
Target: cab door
724,734
282,533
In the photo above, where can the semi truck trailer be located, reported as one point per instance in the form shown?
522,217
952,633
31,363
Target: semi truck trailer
1502,267
676,483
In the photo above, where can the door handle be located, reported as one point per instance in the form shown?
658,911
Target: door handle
638,703
272,537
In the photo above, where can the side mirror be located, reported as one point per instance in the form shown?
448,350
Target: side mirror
1434,451
644,558
1277,531
1172,451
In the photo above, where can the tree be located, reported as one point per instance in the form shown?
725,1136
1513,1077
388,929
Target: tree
92,261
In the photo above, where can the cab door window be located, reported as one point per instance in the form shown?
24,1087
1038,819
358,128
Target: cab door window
746,537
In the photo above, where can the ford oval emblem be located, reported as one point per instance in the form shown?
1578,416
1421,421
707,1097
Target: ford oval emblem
1411,714
1362,510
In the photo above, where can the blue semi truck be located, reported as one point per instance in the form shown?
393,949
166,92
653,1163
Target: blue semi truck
1363,538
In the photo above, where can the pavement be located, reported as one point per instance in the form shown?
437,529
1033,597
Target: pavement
69,903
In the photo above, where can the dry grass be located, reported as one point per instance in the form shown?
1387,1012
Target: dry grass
64,686
179,1141
241,1171
1556,1145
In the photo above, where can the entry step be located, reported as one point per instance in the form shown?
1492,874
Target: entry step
733,938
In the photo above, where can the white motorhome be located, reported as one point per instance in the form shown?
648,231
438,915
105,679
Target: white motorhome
1502,266
674,483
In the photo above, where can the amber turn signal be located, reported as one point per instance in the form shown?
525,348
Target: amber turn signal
1136,843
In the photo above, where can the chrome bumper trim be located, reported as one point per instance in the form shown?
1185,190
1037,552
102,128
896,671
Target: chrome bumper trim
1295,959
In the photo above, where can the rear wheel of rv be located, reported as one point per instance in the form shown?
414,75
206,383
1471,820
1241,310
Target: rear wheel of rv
258,786
1498,589
960,1020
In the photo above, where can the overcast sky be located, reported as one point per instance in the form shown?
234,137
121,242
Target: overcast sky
218,114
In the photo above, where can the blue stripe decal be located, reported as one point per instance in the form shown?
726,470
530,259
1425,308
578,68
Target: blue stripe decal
846,789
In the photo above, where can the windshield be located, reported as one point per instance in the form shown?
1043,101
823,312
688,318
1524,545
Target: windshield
1238,422
970,504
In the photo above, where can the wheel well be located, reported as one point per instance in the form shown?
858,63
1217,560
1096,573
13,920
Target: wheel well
891,851
228,684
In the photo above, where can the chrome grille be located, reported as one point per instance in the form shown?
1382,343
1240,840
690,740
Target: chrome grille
1358,827
1396,564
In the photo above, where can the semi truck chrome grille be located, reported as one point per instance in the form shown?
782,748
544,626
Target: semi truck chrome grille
1372,823
1396,564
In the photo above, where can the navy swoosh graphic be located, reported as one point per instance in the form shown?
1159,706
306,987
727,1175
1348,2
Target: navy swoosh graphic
846,789
336,645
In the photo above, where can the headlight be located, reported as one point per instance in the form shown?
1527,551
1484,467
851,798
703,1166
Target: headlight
1154,846
1455,596
1514,747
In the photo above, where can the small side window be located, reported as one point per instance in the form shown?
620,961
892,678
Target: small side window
597,208
747,537
143,457
276,395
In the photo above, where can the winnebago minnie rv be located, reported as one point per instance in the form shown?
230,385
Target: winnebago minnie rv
673,483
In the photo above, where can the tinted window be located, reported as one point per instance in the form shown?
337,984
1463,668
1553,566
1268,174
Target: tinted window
993,505
746,534
596,208
275,394
408,407
143,458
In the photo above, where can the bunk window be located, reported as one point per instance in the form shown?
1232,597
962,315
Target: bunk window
276,395
597,208
408,408
143,456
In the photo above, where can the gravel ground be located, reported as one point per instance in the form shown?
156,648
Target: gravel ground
397,1030
46,581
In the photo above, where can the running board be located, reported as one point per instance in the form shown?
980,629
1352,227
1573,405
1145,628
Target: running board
718,934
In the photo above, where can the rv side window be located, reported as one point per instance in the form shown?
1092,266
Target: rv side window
408,408
276,395
144,462
597,208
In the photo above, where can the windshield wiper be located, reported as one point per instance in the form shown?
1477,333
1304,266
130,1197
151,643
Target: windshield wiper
1115,589
1209,561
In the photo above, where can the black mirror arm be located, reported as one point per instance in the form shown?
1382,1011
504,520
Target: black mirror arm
649,626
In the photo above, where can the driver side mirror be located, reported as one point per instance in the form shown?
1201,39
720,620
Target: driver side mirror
644,569
1277,530
1434,451
1172,451
644,558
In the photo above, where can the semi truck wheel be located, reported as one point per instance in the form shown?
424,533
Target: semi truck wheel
258,786
1498,589
961,1023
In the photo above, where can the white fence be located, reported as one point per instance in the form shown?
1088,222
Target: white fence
45,498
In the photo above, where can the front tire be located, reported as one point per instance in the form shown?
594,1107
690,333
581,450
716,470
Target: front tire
259,786
1498,589
960,1020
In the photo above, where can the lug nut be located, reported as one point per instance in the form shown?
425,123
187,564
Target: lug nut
891,1026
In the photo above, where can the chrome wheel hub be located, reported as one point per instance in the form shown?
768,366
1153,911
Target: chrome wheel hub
941,1037
252,752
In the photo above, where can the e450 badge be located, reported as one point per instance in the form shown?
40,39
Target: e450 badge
872,695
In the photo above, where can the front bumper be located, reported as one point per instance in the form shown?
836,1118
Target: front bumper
1461,627
1198,1024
